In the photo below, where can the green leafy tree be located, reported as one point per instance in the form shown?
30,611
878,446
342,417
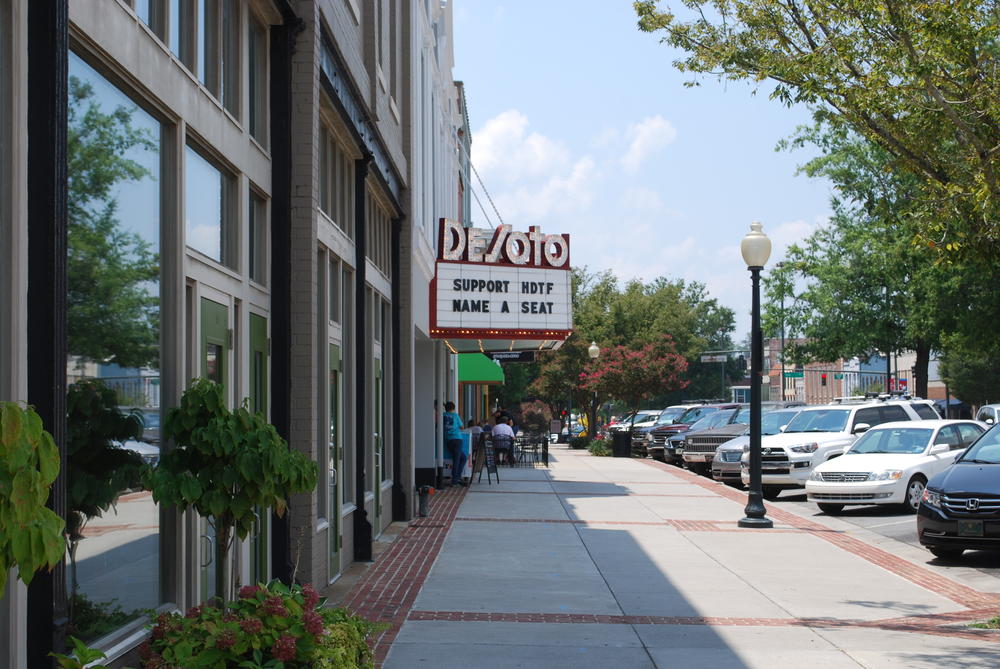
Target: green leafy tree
31,535
98,468
916,79
224,464
971,376
860,284
111,313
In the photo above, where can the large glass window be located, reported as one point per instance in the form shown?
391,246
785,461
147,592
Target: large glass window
348,371
113,376
257,79
257,233
336,182
207,210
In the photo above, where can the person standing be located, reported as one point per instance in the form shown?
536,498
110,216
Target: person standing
452,424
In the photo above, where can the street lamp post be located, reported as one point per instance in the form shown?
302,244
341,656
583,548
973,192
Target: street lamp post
756,249
594,351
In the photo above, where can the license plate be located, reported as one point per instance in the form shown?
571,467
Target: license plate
970,528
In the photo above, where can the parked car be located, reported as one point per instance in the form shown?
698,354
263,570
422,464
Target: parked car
657,445
890,464
818,434
699,446
666,417
960,509
150,453
150,417
988,413
644,419
726,461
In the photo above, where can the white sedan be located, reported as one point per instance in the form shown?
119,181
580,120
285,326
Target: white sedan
890,464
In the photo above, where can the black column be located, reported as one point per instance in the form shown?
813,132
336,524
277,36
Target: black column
282,47
398,493
48,58
362,344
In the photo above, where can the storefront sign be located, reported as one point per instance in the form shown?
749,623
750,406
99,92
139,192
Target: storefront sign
513,356
501,284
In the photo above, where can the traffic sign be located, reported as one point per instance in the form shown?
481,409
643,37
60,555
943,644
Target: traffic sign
794,375
714,358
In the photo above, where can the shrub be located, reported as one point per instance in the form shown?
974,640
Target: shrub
267,626
579,442
599,447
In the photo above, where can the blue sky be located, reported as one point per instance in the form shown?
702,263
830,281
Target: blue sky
582,125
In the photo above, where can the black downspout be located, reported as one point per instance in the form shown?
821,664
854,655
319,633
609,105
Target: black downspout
398,494
282,47
362,526
48,62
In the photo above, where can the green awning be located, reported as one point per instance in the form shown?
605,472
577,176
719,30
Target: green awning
477,368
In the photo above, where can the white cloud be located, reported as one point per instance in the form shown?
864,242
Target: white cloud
643,199
646,138
504,150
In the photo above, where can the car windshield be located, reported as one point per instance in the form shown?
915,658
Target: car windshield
820,420
646,417
669,416
907,440
771,422
743,415
694,413
986,451
714,420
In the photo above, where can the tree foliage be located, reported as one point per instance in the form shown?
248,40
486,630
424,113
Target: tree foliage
636,374
31,535
112,314
971,376
919,80
224,464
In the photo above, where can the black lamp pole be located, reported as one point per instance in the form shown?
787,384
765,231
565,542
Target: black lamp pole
755,512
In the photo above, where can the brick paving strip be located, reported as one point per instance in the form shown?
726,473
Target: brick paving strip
388,589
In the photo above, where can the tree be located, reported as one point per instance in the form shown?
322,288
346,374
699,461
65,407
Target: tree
916,79
972,377
636,374
111,313
98,468
224,464
864,285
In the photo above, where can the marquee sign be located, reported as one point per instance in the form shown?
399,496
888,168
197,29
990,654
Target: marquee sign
501,285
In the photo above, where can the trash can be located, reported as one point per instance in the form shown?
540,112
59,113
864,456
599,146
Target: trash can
621,443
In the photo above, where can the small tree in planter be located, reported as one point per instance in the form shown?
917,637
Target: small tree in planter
224,463
31,535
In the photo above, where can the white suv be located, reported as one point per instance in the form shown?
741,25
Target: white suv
815,435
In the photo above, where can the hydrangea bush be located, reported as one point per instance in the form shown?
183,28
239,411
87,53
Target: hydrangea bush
268,627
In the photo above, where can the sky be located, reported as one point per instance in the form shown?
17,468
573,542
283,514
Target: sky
581,124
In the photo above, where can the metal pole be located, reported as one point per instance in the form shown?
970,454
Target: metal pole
755,511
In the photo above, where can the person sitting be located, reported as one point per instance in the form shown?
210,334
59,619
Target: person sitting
503,440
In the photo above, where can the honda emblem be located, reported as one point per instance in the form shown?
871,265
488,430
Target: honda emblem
972,504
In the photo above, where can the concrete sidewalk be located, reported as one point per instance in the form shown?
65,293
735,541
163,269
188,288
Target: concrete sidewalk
601,561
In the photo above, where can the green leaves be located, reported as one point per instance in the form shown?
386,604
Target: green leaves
226,463
31,535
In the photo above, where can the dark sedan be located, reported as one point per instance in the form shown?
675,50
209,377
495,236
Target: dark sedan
960,509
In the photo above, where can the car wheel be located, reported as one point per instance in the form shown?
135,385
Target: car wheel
946,553
914,493
831,509
771,492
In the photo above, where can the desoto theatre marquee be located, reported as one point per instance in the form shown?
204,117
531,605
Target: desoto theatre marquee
501,290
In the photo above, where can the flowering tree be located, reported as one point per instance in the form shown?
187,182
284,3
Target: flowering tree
636,374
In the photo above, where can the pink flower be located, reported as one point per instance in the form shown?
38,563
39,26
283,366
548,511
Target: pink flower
225,640
251,626
311,596
274,606
313,623
193,612
249,591
284,648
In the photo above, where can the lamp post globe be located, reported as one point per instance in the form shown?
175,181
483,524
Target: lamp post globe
756,249
593,350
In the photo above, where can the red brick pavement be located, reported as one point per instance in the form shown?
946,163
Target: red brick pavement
387,591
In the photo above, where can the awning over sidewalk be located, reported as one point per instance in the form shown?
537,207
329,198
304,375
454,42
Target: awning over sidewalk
477,368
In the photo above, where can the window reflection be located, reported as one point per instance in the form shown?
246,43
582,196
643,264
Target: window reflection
206,194
114,360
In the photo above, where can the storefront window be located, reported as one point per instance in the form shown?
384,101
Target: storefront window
208,219
113,365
